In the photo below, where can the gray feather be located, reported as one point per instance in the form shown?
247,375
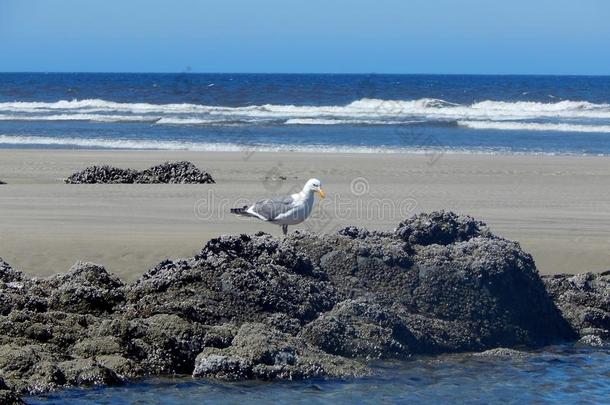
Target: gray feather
270,208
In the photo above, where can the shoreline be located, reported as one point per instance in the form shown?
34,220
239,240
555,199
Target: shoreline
231,148
557,207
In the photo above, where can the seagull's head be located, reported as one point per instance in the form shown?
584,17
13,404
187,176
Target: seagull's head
315,186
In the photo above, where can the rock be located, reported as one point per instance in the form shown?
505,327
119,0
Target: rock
502,352
178,172
258,351
361,328
30,369
87,372
469,295
166,344
7,274
490,286
234,279
439,227
7,395
254,306
591,340
86,289
102,174
584,300
124,368
98,346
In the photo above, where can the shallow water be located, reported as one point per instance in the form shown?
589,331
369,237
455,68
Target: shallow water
566,374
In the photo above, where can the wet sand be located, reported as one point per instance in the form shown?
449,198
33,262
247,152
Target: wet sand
558,208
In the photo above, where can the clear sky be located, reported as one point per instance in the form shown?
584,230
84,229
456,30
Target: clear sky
342,36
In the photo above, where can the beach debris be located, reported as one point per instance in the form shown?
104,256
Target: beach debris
169,172
280,178
307,305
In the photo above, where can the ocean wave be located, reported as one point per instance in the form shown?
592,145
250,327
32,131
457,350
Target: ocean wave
149,144
80,117
332,121
534,126
376,111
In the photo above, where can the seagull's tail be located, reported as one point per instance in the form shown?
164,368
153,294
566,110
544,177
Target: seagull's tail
241,211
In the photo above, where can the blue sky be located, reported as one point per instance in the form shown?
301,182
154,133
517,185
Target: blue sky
382,36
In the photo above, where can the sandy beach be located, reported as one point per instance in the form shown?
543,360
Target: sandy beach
558,208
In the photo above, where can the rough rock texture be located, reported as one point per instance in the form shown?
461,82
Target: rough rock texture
102,174
260,351
7,274
253,306
592,340
584,300
8,396
502,353
178,172
440,227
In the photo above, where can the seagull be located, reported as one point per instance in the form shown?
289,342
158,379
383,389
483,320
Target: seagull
285,210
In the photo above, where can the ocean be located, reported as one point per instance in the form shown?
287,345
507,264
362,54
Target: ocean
309,113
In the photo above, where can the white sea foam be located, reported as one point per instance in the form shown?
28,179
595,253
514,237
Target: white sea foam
182,145
80,117
534,126
187,121
362,110
331,121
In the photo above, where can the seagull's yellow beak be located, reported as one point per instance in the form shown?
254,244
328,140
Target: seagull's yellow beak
322,193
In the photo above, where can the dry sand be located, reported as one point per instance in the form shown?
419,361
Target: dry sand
557,207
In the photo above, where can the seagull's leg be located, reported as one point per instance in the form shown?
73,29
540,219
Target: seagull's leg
285,229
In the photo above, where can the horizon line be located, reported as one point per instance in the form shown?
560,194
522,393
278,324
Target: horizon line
186,72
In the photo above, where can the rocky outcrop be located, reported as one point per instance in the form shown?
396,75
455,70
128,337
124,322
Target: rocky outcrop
254,306
584,301
178,172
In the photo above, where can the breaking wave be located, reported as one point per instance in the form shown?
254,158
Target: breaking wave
534,126
148,144
501,115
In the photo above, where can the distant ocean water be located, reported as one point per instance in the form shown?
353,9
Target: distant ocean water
321,113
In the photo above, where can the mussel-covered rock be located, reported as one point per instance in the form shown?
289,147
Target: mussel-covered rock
176,172
584,300
102,174
255,306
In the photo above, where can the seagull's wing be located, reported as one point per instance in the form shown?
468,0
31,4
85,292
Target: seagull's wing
270,208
